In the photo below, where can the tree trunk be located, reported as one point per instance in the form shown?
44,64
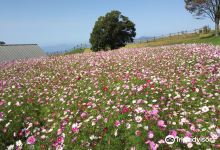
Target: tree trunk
217,27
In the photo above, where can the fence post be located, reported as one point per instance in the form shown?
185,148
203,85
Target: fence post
195,31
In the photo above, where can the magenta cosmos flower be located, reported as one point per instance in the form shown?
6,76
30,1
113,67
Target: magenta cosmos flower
60,139
75,127
31,140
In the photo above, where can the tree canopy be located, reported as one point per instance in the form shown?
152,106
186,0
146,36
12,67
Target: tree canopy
2,43
112,31
205,8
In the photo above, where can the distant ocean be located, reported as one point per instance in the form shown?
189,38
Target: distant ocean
62,47
58,48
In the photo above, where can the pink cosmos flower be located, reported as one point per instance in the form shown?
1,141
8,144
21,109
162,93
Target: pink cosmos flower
161,124
31,140
2,83
193,82
193,128
59,131
199,120
152,145
89,104
75,127
1,115
154,112
139,101
162,98
150,134
74,139
181,130
2,102
189,134
173,133
187,139
83,115
138,133
117,123
106,120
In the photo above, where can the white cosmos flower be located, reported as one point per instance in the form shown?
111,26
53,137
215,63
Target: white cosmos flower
187,95
138,119
154,100
128,125
116,132
19,143
187,139
92,137
214,135
93,123
189,145
99,117
146,128
139,125
133,148
173,123
139,110
134,101
10,147
43,137
184,120
218,132
76,125
205,109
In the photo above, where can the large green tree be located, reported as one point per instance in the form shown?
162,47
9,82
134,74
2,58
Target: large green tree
205,8
112,31
2,43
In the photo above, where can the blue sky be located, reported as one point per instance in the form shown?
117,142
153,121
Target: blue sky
70,22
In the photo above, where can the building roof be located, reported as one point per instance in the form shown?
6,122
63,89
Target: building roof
20,51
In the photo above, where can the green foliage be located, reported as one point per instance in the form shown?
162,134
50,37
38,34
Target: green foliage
210,40
76,51
206,30
2,43
207,35
112,31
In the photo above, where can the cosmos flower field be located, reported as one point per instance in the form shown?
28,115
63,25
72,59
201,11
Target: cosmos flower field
122,99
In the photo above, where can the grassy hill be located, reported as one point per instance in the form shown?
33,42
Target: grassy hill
181,39
186,38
